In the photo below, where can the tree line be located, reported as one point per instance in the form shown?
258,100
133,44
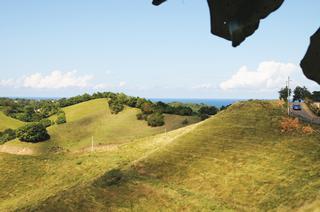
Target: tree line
302,94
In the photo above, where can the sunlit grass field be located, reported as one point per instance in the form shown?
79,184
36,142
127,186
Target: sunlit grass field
93,120
238,160
8,122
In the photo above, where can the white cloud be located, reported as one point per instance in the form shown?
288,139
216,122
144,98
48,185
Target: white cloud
203,86
122,84
269,75
56,80
7,83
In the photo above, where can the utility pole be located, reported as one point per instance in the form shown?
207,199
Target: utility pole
288,88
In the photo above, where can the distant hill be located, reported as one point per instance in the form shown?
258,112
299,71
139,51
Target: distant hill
238,160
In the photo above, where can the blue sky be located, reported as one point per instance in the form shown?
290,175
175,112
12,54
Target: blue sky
64,48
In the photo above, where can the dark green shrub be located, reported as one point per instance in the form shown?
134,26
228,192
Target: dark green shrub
141,116
46,122
112,178
61,119
185,122
155,120
209,110
203,116
33,133
7,135
115,106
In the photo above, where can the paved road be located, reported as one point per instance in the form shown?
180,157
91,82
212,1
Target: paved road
306,114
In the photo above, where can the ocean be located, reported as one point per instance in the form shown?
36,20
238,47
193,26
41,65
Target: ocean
212,102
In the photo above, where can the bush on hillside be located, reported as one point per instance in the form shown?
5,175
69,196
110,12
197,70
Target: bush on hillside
203,116
61,119
307,130
288,124
7,135
155,120
46,122
147,108
182,111
209,110
115,106
33,133
223,107
141,116
185,122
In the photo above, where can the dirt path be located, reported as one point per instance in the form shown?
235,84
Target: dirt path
16,150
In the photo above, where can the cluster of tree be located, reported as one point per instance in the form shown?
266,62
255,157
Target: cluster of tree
32,132
7,135
29,110
299,94
64,102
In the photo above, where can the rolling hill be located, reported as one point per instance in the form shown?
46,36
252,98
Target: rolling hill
8,122
93,119
238,160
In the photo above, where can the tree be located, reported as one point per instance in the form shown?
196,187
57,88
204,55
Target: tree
209,110
141,116
185,122
223,107
155,120
183,111
283,93
301,93
147,108
61,119
316,96
33,133
46,122
7,135
115,106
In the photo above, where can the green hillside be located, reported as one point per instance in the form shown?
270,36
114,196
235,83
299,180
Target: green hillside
237,160
94,119
8,122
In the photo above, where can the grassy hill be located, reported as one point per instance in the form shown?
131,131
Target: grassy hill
237,160
94,119
8,122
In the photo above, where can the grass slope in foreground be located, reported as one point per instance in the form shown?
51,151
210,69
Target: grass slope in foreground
237,161
8,122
